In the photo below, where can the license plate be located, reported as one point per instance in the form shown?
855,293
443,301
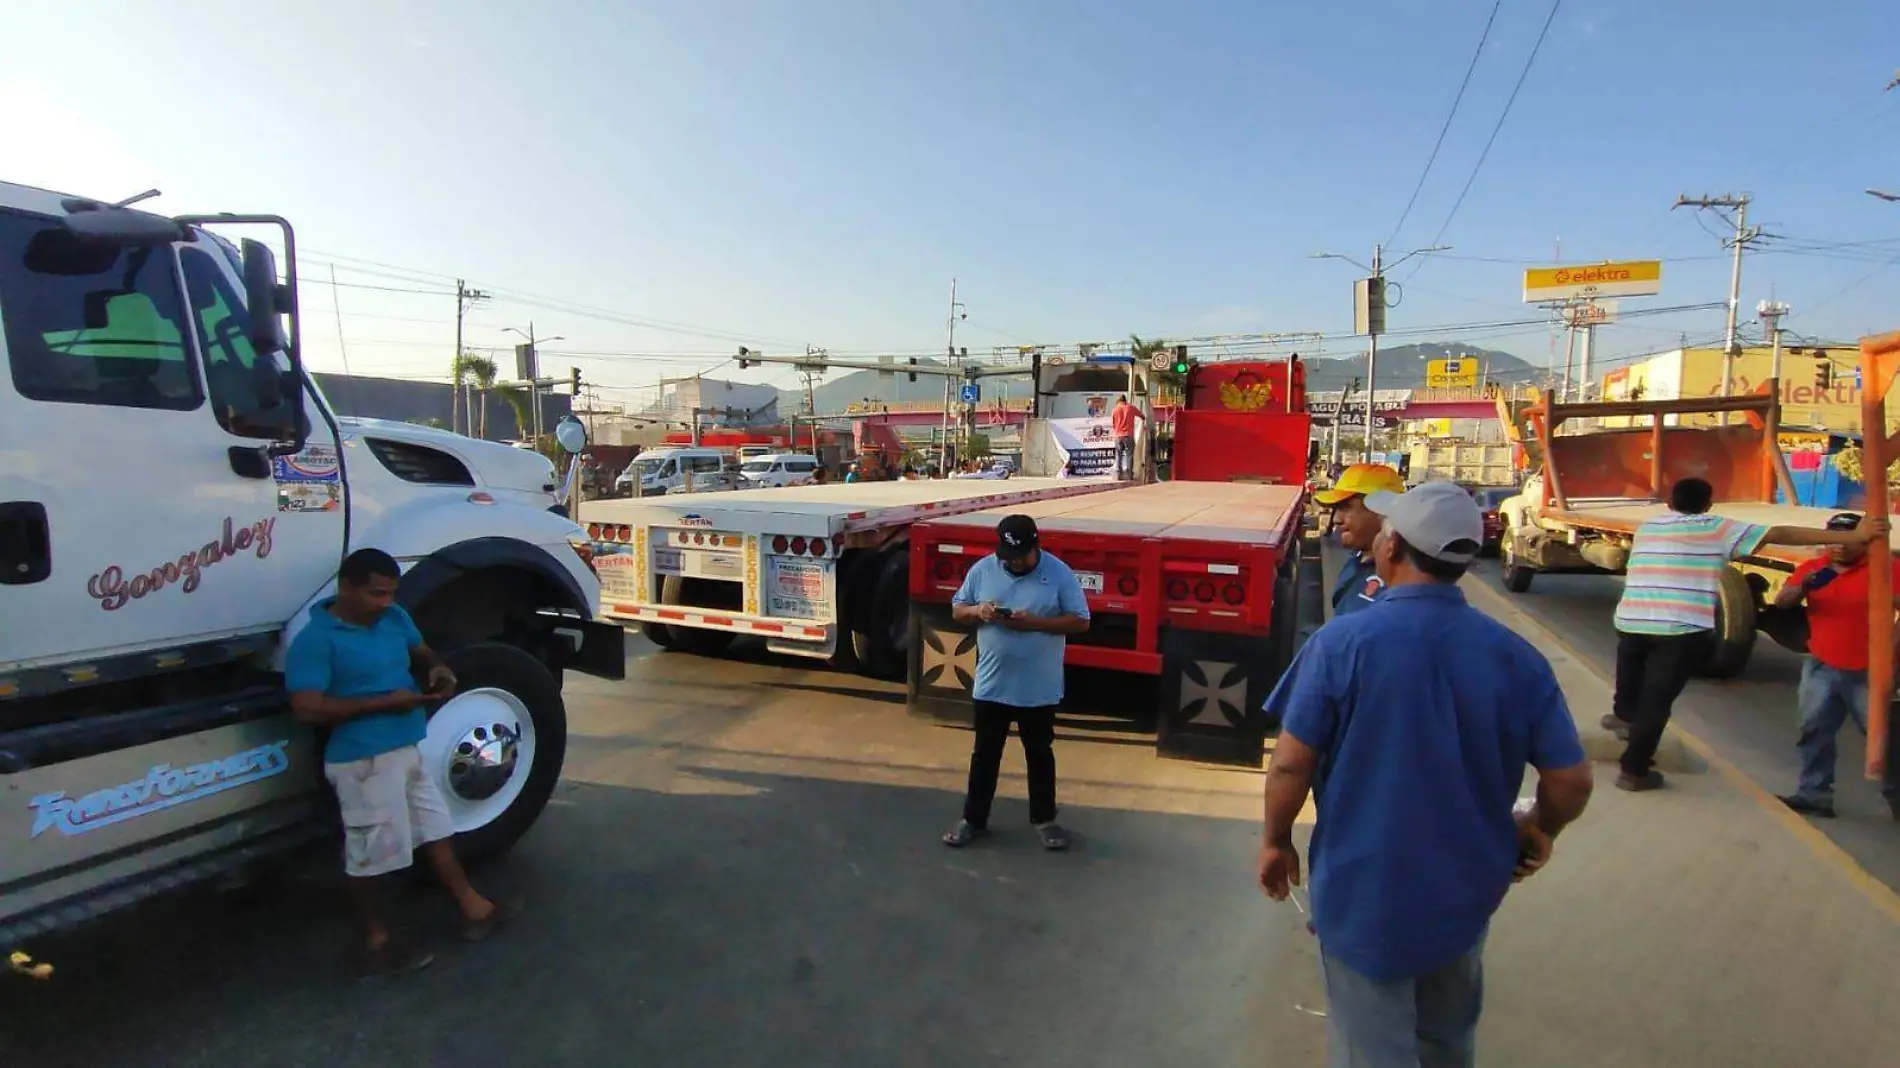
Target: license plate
1091,581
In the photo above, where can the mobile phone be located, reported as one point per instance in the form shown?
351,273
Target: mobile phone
1004,613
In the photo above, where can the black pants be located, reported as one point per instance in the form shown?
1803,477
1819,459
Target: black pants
1037,728
1651,670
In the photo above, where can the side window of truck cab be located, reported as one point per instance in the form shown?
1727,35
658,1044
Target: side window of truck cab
223,322
93,325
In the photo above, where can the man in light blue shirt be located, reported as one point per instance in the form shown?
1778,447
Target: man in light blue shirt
1024,603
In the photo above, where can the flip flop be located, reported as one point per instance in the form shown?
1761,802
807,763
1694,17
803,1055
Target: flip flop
963,834
477,930
392,959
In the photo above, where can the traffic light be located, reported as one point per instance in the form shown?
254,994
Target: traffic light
1181,364
1824,373
575,379
912,375
743,353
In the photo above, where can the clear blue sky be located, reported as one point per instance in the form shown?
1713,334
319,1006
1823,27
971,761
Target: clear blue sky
818,171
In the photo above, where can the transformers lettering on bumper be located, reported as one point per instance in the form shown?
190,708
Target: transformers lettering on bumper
161,787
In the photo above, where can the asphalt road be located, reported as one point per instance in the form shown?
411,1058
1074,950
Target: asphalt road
1750,720
741,867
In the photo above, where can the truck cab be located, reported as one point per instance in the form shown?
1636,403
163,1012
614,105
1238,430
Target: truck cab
175,497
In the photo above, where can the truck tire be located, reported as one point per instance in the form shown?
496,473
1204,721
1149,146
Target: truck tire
694,639
1517,576
855,573
659,634
1734,638
880,636
495,749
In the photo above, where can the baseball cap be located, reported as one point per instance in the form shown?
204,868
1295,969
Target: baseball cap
1361,479
1015,537
1438,519
1843,521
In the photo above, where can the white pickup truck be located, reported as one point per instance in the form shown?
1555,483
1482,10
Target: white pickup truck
175,496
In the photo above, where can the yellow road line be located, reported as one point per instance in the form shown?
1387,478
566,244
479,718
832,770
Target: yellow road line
1824,848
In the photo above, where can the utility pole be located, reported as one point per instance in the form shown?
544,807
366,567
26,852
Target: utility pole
957,311
809,373
1368,313
1744,236
463,391
1771,312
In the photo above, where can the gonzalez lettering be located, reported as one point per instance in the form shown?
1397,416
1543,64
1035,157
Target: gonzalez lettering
112,590
161,787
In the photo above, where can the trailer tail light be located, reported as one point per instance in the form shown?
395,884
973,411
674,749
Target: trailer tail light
819,546
780,543
1177,589
1204,592
1127,585
593,531
798,546
1233,593
945,570
623,533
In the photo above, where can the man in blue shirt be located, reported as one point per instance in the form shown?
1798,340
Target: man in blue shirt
1024,602
351,670
1415,757
1359,583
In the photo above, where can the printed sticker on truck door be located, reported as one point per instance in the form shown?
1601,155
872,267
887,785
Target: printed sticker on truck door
308,481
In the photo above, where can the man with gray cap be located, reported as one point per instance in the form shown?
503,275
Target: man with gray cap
1415,759
1024,603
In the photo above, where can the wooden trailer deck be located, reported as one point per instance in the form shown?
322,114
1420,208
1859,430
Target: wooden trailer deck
1237,513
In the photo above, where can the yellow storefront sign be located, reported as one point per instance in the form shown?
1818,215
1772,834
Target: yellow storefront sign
1627,278
1458,372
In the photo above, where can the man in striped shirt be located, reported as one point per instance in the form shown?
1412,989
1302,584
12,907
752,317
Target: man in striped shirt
1666,620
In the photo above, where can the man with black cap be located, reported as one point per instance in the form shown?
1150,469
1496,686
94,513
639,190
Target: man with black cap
1834,675
1415,760
1024,602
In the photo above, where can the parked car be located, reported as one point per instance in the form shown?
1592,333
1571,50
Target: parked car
1489,498
777,469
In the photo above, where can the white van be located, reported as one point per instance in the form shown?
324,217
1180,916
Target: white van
777,469
661,471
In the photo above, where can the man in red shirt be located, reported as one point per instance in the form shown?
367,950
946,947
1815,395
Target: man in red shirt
1122,421
1834,676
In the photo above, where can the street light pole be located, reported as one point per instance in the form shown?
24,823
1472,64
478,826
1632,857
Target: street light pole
534,374
1369,311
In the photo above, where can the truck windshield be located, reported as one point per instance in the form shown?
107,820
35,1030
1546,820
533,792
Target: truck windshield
92,325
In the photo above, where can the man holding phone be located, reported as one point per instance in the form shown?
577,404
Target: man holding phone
1834,675
1024,603
352,669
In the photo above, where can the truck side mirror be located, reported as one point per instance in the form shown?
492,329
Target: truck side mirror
266,298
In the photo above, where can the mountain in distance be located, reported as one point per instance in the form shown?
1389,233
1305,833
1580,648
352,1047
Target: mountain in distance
1400,367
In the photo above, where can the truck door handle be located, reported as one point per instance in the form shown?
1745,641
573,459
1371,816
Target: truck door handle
26,548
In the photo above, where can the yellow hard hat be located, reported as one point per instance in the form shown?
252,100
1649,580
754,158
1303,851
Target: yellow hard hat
1359,480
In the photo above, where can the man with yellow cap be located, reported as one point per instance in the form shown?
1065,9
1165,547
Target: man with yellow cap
1359,584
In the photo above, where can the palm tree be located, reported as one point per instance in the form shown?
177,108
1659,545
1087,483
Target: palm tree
516,397
480,372
1145,351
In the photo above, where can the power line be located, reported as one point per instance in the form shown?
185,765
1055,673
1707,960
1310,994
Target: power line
1443,130
1524,74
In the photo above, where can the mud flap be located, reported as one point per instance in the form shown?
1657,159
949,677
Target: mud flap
1212,687
942,667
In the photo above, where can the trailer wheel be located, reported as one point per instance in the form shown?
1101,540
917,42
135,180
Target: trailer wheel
1517,576
881,636
659,634
1735,616
495,749
694,639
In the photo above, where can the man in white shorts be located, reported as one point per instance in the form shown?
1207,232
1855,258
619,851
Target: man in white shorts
351,670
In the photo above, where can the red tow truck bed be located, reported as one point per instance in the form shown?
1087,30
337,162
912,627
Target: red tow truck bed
1191,581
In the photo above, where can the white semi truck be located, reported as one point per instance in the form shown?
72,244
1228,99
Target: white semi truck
818,571
175,497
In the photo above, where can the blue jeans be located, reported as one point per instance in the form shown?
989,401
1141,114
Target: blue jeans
1428,1021
1828,697
1125,458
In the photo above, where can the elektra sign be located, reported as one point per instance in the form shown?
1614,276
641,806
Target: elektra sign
161,787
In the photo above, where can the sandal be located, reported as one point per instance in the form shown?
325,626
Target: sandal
391,958
477,930
1054,838
963,834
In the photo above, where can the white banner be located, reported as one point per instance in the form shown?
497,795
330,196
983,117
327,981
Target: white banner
1087,446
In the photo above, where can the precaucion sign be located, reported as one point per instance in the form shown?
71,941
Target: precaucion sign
1630,278
799,589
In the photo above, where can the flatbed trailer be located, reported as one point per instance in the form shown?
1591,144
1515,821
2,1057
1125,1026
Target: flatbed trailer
819,571
1194,582
1579,513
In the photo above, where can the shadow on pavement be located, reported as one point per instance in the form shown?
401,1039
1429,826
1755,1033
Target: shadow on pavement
768,920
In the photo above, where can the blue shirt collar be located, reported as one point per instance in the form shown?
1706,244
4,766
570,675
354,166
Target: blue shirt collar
1425,591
